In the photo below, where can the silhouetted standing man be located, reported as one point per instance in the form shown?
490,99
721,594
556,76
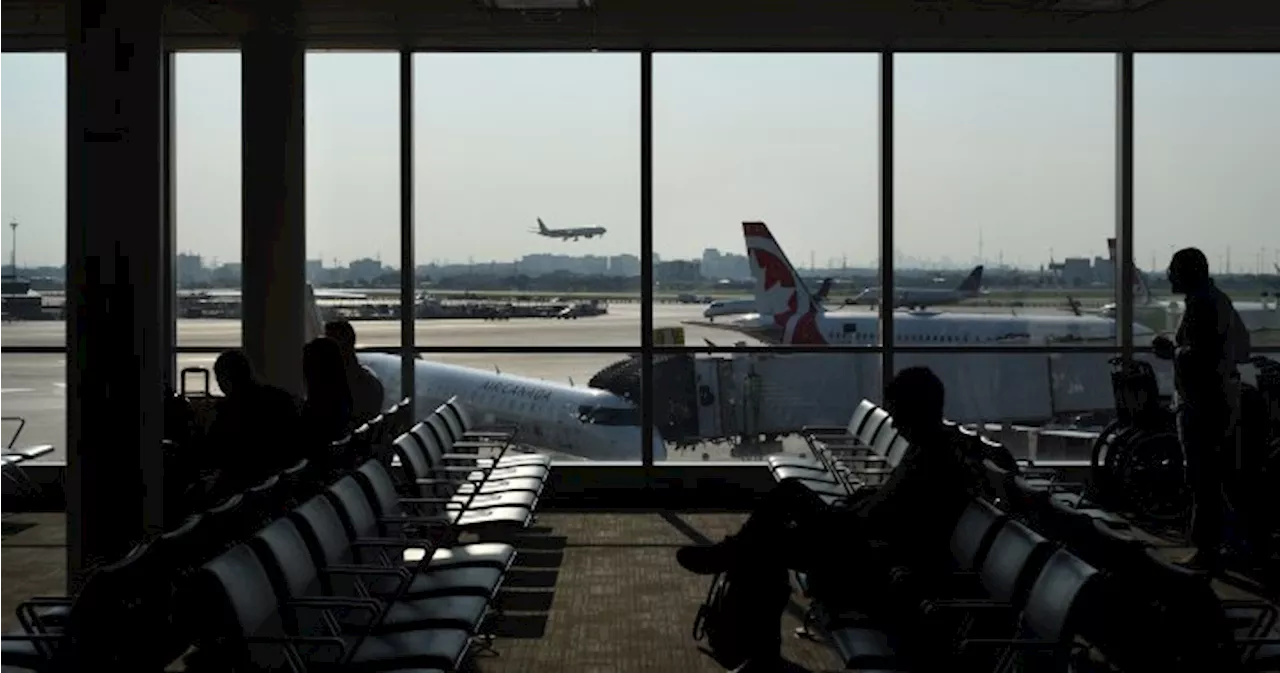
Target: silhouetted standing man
1211,341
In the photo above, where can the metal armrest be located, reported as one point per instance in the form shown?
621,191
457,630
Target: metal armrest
824,429
358,570
389,543
964,604
26,611
373,605
420,521
1012,643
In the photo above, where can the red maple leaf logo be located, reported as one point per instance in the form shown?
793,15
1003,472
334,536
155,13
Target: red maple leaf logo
775,270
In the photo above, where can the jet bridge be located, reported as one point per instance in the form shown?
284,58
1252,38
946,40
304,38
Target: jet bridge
719,396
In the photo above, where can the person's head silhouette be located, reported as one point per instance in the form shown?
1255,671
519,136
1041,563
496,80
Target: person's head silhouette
1188,270
322,369
233,372
344,334
915,399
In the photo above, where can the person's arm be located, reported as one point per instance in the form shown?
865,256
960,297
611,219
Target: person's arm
895,494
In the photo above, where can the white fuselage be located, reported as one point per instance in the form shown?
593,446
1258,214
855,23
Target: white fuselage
729,307
576,420
921,328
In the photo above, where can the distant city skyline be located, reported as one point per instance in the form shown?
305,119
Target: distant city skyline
998,155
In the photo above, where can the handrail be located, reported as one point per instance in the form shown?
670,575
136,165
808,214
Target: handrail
22,423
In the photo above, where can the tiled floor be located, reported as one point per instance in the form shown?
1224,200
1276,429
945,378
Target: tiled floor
592,593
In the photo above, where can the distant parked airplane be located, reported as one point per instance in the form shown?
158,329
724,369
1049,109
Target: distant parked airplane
574,233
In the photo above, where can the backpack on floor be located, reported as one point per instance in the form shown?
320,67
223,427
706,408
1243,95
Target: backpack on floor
740,617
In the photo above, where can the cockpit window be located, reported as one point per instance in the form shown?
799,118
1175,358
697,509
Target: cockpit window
608,415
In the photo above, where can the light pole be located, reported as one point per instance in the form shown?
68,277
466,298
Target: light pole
13,249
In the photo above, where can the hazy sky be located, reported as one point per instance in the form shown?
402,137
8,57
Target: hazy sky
1014,149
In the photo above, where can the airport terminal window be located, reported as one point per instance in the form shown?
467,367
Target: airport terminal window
33,190
527,184
772,226
1207,149
1067,389
989,149
207,184
353,190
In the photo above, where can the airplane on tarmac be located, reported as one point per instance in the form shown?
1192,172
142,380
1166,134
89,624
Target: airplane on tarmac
787,313
574,233
575,420
745,306
924,297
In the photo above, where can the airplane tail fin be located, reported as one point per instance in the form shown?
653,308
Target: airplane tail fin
824,290
1139,278
541,226
973,282
314,327
772,270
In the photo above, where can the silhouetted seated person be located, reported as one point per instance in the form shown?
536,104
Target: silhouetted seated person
1210,343
254,424
906,521
327,414
367,393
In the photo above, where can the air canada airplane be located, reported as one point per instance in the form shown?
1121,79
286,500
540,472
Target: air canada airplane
744,306
575,420
574,233
924,297
787,313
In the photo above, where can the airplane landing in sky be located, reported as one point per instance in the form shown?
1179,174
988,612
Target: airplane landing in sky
574,233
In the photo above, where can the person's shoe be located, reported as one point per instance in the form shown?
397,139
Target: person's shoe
706,559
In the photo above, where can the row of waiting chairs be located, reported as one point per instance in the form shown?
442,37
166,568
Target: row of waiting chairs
300,573
1038,570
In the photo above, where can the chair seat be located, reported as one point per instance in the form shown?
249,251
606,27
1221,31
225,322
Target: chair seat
530,485
518,472
481,554
778,460
455,581
824,487
434,648
450,612
517,460
864,648
805,473
22,653
484,500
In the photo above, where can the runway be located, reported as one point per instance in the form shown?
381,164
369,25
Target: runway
34,386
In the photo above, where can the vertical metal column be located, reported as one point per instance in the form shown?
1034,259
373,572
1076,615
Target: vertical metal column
1124,202
408,277
168,275
886,218
646,255
116,343
273,219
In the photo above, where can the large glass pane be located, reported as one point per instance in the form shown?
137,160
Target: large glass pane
1207,152
33,91
1035,403
788,142
35,401
206,122
527,188
353,191
766,201
578,407
1004,199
